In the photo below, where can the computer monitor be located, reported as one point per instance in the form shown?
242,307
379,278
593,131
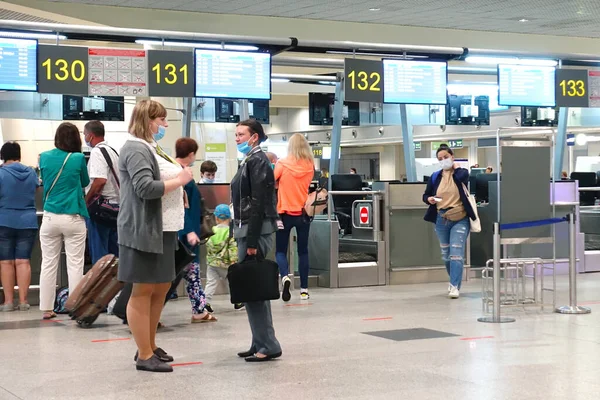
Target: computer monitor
214,194
586,179
343,203
482,182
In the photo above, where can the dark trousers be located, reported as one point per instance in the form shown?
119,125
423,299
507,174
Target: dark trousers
102,240
302,225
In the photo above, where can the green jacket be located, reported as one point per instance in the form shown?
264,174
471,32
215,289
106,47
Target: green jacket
221,248
67,196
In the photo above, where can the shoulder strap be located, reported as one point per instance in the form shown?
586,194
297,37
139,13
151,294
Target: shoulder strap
110,164
57,176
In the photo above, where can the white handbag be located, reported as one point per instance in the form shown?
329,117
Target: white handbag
476,224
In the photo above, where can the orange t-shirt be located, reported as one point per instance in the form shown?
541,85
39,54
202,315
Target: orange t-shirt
294,177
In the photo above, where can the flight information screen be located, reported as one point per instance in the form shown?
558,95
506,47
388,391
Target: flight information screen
525,85
415,82
18,61
233,74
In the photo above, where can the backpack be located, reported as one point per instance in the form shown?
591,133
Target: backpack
62,294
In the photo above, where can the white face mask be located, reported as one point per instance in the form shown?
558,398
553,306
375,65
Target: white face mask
447,163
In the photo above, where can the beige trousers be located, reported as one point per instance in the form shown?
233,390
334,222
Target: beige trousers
56,229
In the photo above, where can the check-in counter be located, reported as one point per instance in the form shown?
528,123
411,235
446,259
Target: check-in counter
566,197
415,255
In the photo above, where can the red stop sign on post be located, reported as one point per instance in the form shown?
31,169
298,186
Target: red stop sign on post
364,215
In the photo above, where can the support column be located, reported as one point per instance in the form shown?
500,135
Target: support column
407,141
244,110
561,142
336,130
186,120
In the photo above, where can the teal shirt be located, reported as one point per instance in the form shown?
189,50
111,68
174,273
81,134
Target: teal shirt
67,196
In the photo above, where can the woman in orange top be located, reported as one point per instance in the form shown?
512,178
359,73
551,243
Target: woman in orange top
294,174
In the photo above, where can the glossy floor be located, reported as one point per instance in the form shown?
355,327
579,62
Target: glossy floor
326,353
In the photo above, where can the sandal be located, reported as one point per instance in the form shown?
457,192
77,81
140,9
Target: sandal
207,318
48,315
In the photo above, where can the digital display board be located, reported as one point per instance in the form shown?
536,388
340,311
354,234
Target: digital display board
18,64
526,85
233,74
415,82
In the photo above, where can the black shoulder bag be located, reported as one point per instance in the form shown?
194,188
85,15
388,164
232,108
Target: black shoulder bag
99,208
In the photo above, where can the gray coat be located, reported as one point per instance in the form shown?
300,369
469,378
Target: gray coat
140,224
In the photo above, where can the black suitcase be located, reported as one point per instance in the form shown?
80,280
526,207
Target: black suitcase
183,257
254,279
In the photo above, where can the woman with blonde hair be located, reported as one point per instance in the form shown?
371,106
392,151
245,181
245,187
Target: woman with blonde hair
151,215
294,174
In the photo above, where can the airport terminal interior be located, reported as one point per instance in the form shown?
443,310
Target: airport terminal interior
481,117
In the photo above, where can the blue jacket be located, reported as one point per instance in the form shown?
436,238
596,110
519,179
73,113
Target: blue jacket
460,176
18,184
193,216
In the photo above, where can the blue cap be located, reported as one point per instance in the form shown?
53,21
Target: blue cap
222,211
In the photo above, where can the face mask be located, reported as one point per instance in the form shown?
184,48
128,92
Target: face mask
160,133
272,166
88,144
206,180
447,163
244,148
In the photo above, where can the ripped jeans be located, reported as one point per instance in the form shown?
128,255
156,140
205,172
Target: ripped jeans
453,236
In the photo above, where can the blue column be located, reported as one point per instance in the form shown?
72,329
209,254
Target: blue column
561,142
407,141
336,131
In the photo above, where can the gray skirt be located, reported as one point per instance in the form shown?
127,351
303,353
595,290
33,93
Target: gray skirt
137,266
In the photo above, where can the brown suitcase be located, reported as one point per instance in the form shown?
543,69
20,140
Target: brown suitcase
97,288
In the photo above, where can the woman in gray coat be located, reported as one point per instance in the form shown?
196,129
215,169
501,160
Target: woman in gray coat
151,214
255,221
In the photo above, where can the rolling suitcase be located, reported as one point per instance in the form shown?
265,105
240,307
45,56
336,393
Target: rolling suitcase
183,256
97,288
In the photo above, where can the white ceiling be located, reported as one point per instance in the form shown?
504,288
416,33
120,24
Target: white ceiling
579,18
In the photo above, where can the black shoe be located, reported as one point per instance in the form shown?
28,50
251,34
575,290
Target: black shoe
245,354
254,358
153,364
160,353
238,306
285,294
208,308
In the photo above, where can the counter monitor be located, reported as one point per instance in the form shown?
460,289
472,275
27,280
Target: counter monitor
526,85
415,82
18,66
233,74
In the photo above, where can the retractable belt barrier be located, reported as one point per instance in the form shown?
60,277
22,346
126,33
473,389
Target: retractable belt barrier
532,224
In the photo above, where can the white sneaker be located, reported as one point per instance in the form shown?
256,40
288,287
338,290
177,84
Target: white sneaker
449,288
454,293
304,294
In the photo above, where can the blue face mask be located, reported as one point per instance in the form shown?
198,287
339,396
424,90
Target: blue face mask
244,148
161,133
272,166
206,180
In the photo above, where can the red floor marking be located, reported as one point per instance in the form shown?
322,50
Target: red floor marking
477,338
186,364
111,340
377,319
298,305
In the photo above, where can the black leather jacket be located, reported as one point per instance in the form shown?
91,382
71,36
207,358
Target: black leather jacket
253,194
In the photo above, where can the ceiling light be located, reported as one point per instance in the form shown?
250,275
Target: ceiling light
29,35
208,46
511,61
280,80
581,139
330,83
374,9
523,20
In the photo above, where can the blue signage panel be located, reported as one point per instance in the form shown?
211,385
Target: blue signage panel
526,85
18,64
233,74
415,82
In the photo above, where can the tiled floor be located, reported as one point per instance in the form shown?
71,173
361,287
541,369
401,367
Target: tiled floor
326,353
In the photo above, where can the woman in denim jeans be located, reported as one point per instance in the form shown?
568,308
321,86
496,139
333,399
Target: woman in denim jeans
450,210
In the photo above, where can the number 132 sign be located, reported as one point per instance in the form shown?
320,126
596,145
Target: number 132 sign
363,80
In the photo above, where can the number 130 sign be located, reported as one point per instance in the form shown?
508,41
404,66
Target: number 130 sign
363,80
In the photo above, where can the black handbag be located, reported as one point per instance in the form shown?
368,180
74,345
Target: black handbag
100,209
254,279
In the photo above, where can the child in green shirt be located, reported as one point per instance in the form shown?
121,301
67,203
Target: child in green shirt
221,253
